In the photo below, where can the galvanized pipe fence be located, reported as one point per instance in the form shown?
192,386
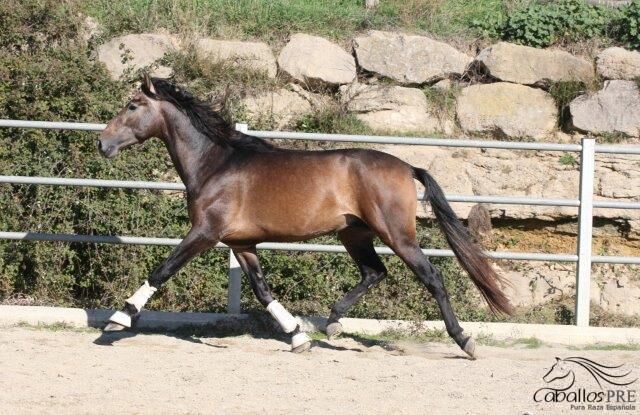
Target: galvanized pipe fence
585,204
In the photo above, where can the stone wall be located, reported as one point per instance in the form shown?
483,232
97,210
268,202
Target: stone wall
503,91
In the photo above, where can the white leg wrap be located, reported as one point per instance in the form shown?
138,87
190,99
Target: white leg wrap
282,316
140,297
299,339
121,318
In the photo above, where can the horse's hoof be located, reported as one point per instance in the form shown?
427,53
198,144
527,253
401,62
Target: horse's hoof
334,330
113,327
300,342
470,348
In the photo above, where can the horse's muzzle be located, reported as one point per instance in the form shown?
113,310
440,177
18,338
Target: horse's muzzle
107,151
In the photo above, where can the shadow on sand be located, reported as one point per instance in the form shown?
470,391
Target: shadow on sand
259,326
256,327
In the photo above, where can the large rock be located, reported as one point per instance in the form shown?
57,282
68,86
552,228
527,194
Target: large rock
619,63
612,290
252,55
613,109
506,110
277,109
136,51
615,291
394,109
529,66
314,60
408,59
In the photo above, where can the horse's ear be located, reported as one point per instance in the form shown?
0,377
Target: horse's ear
558,359
147,84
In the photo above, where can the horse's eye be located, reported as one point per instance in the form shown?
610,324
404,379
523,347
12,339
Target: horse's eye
132,107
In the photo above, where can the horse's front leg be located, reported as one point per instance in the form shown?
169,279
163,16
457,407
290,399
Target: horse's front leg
248,260
195,242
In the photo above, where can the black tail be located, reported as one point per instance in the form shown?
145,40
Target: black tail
467,252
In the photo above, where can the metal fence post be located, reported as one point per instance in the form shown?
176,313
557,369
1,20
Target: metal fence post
243,128
235,285
585,232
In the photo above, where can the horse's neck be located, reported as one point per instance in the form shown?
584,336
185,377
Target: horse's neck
193,154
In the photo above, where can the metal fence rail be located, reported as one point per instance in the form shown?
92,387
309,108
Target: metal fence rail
136,184
371,139
306,247
585,203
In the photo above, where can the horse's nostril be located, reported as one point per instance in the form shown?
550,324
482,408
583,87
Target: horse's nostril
104,149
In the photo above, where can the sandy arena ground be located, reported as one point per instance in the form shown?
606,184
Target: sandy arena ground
61,372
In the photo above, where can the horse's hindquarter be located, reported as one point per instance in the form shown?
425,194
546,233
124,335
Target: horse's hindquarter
298,195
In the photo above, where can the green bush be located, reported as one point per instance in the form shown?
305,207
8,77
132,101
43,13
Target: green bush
543,24
627,26
332,120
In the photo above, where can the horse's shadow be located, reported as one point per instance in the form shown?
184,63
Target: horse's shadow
325,344
365,342
108,338
258,326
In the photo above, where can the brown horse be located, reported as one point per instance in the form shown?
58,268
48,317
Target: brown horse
241,190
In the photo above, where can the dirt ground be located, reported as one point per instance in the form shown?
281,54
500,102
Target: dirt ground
61,372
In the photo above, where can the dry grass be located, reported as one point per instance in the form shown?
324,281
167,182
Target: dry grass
274,21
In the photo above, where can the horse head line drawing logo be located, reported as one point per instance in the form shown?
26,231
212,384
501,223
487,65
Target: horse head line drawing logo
562,369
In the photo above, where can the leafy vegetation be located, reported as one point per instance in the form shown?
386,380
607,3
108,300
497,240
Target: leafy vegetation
541,24
275,20
443,100
627,26
544,24
206,77
534,23
612,346
615,137
568,160
563,92
332,120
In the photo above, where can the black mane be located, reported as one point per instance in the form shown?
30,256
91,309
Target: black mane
205,119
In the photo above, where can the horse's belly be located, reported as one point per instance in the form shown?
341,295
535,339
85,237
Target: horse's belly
285,229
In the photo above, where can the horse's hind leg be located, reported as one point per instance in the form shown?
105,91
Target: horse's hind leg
248,260
412,255
359,245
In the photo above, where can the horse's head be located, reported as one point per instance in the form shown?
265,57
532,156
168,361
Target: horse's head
559,370
139,120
